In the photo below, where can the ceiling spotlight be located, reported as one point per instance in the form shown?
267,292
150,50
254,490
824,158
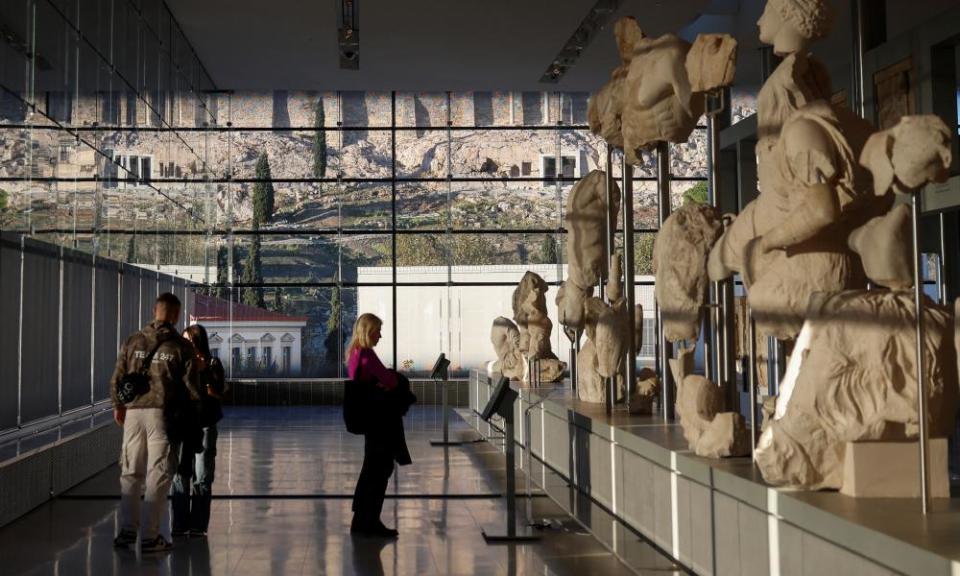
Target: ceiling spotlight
348,35
596,19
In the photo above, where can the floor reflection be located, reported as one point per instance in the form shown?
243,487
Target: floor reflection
282,508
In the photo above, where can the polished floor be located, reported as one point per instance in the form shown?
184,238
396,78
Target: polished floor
282,506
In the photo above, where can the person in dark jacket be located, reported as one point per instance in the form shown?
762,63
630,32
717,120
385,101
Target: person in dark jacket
148,451
384,441
191,515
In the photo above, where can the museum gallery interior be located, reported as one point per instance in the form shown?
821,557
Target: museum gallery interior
674,284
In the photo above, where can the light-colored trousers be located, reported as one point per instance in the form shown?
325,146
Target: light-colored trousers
146,455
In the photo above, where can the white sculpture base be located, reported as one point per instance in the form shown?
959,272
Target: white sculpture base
892,469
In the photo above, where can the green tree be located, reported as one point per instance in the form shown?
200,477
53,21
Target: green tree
263,193
643,253
132,248
548,251
3,200
319,142
253,272
278,300
416,250
332,341
223,273
697,194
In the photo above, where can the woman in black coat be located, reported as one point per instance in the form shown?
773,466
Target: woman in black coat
387,397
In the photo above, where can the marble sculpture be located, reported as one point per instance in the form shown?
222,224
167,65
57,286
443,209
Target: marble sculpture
586,217
851,378
790,242
604,108
709,432
656,94
505,337
530,314
852,374
680,254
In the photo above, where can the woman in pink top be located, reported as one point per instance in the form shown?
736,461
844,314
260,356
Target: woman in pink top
384,441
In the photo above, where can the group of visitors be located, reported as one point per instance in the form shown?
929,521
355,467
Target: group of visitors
167,390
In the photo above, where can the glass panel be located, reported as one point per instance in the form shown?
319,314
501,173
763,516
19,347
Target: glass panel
366,206
376,300
690,158
421,109
687,191
510,205
423,205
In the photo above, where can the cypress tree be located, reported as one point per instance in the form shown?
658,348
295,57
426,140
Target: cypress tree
319,143
332,342
223,276
548,251
263,191
253,272
277,301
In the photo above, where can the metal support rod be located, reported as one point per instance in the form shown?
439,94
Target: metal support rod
610,393
942,291
856,62
728,367
577,357
609,220
573,364
665,351
446,412
629,277
712,339
921,373
508,446
753,382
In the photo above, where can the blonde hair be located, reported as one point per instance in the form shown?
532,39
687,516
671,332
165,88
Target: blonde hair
363,328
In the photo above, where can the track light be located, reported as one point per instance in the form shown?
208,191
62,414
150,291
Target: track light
348,35
601,13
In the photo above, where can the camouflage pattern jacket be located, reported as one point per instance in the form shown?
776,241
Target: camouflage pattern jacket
174,364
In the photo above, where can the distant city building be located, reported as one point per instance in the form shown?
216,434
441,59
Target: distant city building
251,341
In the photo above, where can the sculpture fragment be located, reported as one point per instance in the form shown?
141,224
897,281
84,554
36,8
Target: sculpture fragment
605,107
505,337
680,265
658,103
709,432
530,314
711,62
790,242
908,155
586,217
645,391
850,381
885,247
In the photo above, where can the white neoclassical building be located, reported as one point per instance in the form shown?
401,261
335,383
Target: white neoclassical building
251,340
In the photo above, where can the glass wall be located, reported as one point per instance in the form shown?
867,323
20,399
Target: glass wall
293,212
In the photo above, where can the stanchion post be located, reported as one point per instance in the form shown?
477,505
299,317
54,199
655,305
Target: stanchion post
630,362
440,375
921,371
665,351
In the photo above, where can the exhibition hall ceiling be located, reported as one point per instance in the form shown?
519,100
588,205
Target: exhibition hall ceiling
413,44
436,45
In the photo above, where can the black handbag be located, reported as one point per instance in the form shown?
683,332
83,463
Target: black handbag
135,384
